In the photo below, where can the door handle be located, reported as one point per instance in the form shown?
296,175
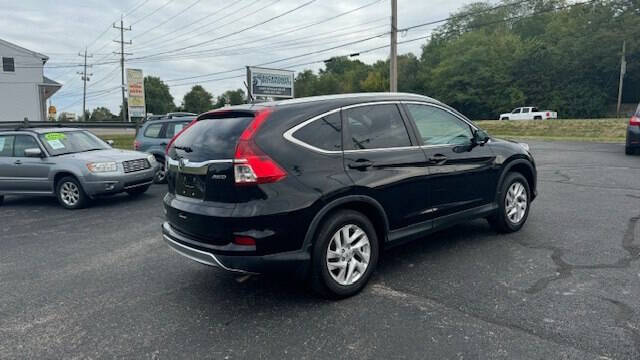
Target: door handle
360,164
18,162
437,159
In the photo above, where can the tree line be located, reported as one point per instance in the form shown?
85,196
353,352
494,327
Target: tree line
486,60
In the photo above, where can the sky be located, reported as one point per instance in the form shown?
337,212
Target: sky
181,41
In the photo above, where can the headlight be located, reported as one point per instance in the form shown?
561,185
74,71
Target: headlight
100,167
524,146
152,160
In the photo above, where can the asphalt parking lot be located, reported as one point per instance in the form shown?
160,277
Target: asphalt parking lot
100,282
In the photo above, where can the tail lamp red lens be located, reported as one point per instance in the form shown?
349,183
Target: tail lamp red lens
251,165
635,121
136,145
173,139
244,240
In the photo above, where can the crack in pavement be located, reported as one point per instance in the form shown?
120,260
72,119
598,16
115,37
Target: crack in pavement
421,302
564,269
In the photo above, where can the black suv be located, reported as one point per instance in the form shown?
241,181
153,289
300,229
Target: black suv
319,186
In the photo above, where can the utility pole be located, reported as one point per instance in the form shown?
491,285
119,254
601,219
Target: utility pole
393,62
85,77
623,70
122,54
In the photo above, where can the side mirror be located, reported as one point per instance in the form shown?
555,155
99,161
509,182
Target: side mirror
33,152
480,137
110,142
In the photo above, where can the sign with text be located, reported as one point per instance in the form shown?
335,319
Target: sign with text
135,89
270,82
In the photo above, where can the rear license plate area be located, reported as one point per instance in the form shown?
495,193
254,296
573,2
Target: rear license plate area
192,186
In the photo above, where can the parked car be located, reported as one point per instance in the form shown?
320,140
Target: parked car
529,113
633,134
319,186
172,115
154,136
72,164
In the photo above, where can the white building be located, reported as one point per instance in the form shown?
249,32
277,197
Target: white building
24,89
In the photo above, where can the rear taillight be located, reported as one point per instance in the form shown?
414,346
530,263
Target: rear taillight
244,240
635,121
166,150
136,145
548,114
251,165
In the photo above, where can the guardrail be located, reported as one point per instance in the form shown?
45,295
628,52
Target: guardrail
73,124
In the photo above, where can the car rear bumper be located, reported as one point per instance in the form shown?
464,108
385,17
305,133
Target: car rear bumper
105,184
633,137
295,262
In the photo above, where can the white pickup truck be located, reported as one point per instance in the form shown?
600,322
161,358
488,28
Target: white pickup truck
529,113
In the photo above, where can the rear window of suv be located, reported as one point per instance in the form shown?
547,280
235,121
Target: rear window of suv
324,133
210,139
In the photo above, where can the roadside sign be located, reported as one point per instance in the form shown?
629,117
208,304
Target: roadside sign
135,89
270,82
52,112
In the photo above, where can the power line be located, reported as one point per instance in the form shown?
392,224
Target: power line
241,30
173,17
153,12
129,12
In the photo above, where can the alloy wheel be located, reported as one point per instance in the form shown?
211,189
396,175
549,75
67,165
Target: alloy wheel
348,254
516,202
69,193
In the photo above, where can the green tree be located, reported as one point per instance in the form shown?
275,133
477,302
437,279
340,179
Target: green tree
231,97
157,96
197,100
101,114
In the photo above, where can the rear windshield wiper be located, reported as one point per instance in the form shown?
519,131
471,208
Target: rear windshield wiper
184,148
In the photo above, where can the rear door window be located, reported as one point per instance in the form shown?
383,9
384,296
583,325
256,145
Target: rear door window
324,133
174,128
6,146
153,131
525,110
210,139
375,127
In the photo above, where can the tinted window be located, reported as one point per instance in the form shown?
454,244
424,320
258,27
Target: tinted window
439,127
534,109
8,64
153,131
6,146
324,133
22,143
174,128
516,111
525,110
211,139
375,127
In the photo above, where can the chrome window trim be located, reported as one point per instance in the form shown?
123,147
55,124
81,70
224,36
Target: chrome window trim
289,133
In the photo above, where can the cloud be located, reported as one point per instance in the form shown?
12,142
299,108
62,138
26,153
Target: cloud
62,28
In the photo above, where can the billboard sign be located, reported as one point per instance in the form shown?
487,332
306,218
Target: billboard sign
270,82
135,89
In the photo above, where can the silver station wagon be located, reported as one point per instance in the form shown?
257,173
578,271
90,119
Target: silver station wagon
72,164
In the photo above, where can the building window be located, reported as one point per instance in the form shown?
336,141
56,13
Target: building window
8,65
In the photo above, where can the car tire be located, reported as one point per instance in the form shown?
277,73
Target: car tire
161,175
70,193
135,192
537,118
630,151
1,199
515,194
505,118
336,281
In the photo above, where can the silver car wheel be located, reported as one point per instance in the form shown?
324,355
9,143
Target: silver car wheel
348,254
69,193
516,202
161,174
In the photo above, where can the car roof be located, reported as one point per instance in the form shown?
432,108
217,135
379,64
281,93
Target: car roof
338,99
42,130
